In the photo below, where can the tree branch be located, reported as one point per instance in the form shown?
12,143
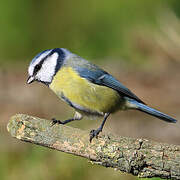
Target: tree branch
140,157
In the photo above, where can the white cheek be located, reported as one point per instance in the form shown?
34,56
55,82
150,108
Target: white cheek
48,68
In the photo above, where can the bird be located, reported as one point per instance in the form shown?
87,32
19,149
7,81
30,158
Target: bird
84,86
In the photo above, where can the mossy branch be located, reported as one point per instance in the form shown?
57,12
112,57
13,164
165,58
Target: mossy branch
140,157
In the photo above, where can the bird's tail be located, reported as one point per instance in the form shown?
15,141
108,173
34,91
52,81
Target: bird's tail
133,104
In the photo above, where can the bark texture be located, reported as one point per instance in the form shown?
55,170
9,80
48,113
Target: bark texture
140,157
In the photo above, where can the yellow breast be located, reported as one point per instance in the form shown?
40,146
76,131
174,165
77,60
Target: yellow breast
84,93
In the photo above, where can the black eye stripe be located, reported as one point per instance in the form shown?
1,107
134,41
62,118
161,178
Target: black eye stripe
37,67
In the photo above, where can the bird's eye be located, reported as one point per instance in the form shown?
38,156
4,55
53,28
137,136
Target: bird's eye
37,68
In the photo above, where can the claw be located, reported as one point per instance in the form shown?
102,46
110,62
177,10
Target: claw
55,121
94,133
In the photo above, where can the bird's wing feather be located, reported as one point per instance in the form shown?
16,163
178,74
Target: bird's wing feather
100,77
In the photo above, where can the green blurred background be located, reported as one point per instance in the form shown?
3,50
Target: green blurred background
137,41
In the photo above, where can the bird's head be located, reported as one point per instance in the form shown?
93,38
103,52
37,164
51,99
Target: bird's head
45,65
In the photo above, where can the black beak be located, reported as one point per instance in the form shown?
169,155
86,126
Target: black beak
30,79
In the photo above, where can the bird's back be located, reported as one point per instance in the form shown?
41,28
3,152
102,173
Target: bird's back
98,76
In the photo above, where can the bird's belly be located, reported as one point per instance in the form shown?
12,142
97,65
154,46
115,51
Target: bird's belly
84,94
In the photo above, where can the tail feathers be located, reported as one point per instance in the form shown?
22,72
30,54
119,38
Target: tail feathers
151,111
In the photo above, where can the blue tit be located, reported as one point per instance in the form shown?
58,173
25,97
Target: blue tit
85,87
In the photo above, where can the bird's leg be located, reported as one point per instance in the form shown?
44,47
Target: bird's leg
94,133
77,116
55,121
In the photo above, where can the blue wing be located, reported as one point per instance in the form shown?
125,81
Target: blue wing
102,78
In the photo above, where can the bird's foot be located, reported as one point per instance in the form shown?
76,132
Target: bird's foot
94,133
55,121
